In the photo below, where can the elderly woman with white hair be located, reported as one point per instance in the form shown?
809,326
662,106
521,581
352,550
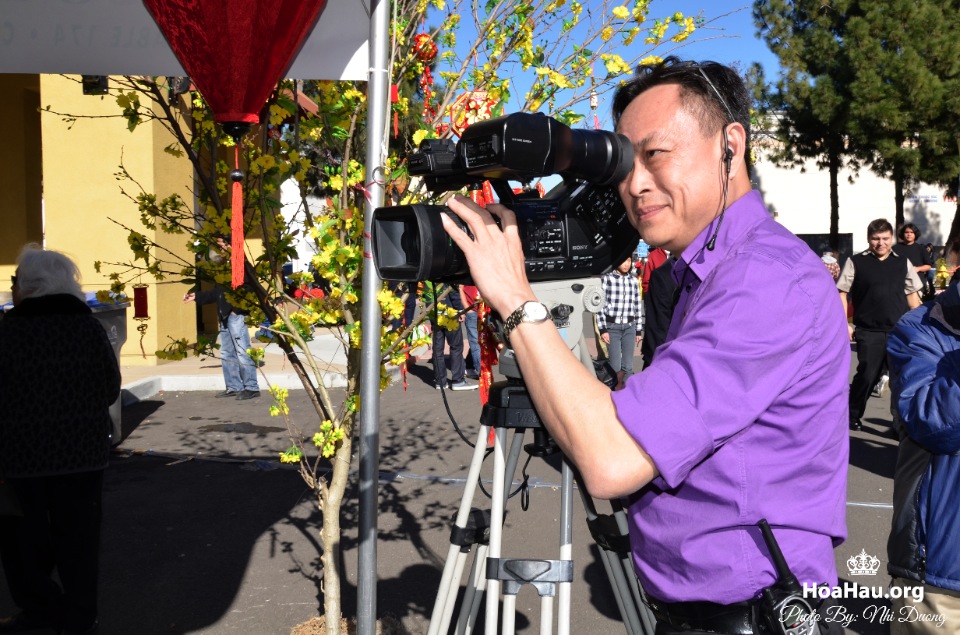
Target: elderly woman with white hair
58,377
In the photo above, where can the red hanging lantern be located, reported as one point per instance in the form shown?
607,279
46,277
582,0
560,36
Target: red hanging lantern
235,52
470,108
424,48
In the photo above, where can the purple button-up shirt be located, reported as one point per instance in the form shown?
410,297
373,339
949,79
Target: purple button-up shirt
744,413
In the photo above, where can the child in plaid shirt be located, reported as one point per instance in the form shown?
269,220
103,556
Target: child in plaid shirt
621,320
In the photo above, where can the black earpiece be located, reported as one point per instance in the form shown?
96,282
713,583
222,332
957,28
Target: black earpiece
727,152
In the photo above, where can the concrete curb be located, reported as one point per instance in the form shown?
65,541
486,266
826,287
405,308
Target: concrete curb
143,389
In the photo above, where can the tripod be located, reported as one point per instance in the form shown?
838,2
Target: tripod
510,408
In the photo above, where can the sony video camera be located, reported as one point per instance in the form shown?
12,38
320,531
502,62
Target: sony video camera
579,229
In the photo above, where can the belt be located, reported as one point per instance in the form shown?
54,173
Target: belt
742,618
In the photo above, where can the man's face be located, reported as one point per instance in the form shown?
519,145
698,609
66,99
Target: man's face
881,243
676,187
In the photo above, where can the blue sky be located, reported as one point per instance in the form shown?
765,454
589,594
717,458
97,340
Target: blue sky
728,39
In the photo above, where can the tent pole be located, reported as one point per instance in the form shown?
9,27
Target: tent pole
377,104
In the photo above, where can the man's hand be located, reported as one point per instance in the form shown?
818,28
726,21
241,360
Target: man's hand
639,339
189,297
605,337
494,255
850,328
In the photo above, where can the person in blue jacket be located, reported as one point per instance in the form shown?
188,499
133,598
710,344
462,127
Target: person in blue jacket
924,545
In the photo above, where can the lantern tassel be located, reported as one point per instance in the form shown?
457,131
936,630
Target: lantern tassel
236,222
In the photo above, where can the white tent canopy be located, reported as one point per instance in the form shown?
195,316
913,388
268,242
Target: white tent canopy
118,37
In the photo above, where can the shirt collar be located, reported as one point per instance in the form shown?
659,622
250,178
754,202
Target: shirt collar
739,217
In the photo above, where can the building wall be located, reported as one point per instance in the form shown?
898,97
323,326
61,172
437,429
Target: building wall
86,211
21,211
800,201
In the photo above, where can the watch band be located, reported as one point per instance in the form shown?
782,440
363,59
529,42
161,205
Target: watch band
519,316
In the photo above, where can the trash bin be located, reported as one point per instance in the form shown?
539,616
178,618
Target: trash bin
113,318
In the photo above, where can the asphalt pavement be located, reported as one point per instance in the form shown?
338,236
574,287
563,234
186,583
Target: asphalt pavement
206,532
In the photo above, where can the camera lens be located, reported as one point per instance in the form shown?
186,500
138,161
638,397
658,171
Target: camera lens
410,245
599,156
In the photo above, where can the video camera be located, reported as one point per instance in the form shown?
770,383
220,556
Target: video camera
579,229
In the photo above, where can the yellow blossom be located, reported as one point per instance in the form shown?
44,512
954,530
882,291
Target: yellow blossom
606,34
621,12
278,114
419,136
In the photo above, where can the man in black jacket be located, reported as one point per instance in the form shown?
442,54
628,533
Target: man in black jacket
882,286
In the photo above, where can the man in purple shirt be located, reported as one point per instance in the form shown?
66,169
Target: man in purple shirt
742,414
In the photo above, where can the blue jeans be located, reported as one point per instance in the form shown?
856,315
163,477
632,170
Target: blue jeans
455,339
623,340
471,322
239,371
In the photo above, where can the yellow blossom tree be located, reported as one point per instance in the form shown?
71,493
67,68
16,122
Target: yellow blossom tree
561,52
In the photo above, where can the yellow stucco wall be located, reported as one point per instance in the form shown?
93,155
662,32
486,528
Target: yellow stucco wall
82,194
20,181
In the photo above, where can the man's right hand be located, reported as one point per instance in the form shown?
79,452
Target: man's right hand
189,297
850,328
605,337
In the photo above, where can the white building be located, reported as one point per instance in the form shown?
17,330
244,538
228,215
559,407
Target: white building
800,201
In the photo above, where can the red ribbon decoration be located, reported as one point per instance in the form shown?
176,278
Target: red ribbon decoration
236,224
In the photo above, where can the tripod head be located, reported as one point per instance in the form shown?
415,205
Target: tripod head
509,404
568,301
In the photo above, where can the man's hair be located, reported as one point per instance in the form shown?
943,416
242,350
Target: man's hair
42,272
911,227
879,226
715,94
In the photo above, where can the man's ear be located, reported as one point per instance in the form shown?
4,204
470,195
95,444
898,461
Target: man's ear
735,147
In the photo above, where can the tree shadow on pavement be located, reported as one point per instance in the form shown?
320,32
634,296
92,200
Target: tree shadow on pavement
178,538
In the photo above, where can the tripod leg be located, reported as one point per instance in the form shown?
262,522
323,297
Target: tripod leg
566,543
449,587
471,599
619,573
496,528
509,614
546,615
643,610
452,591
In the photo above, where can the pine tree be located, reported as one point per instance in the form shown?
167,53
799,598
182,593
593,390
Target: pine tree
867,83
811,100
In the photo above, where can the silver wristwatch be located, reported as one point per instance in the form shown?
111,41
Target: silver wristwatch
526,312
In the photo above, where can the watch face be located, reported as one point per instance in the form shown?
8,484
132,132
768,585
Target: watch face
535,312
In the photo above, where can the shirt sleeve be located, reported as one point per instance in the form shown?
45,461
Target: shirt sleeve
737,350
913,283
925,379
641,316
845,282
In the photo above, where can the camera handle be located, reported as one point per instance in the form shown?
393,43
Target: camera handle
491,573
